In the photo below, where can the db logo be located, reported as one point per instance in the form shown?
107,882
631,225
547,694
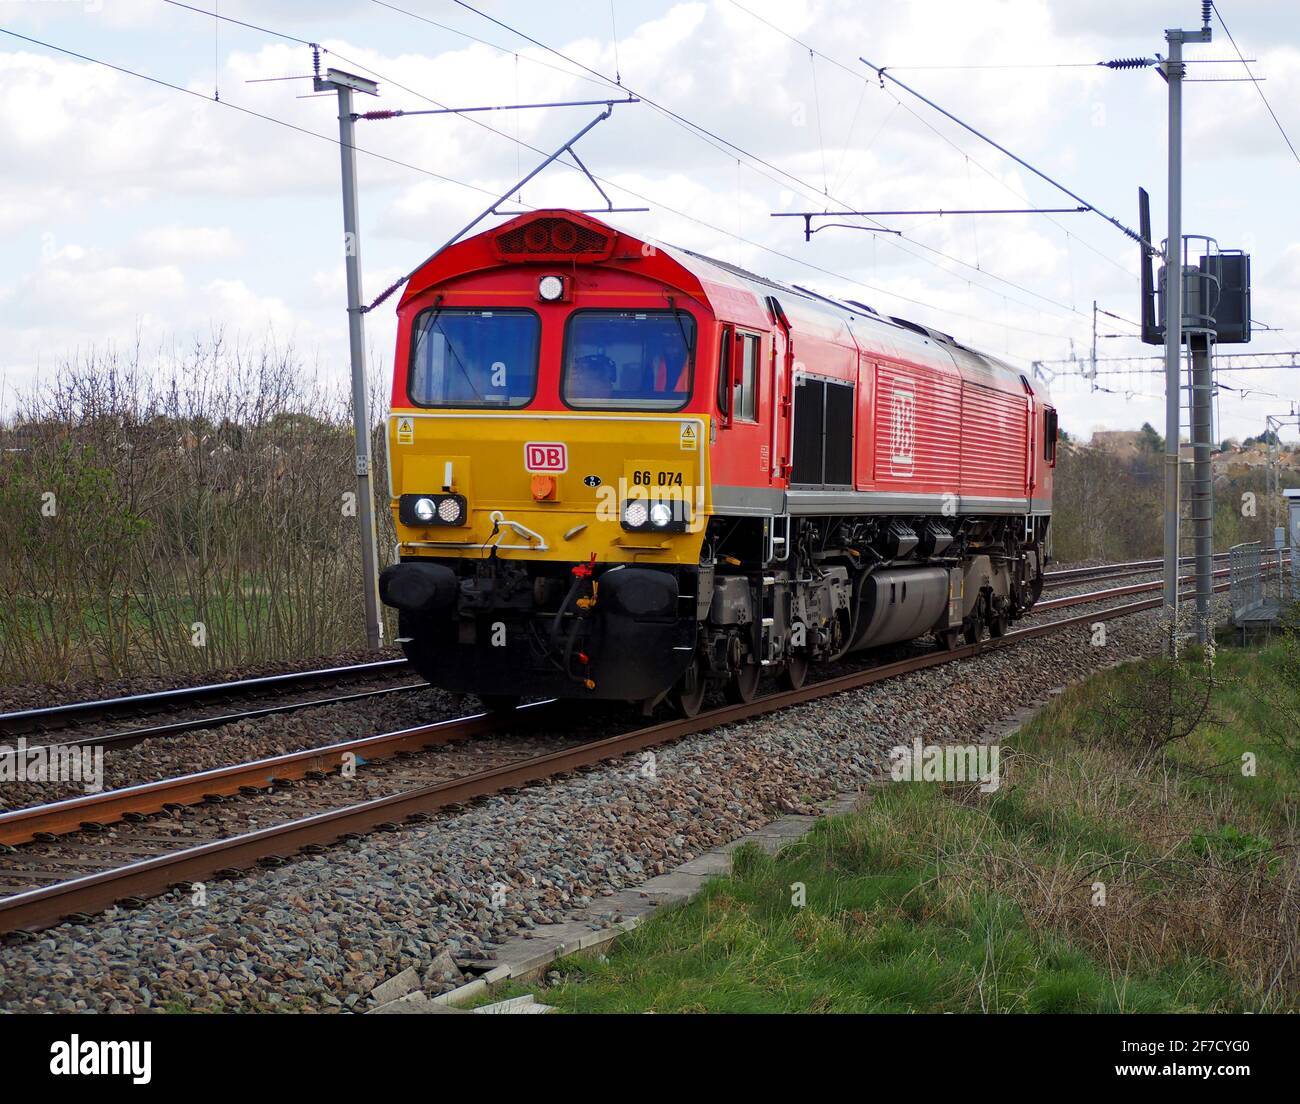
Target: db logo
902,431
542,456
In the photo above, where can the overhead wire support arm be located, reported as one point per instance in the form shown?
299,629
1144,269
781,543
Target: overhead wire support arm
492,209
609,207
884,75
809,230
398,114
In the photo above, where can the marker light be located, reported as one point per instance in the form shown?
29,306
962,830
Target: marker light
661,514
425,509
550,288
635,514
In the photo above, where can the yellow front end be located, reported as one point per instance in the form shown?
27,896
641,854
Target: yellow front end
552,486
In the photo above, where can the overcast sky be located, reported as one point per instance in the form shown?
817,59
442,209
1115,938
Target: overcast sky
130,208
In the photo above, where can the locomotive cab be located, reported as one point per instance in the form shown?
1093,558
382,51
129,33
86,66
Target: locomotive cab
549,466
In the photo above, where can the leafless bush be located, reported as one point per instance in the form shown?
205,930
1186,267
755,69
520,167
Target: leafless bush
1108,506
1157,703
1105,507
177,517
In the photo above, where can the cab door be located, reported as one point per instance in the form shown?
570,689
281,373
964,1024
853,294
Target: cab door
743,400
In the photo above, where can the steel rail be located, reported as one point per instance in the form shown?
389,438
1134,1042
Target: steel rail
29,720
1099,577
96,810
1113,592
42,907
129,736
1153,565
1053,580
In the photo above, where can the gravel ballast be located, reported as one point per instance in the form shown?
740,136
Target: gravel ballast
320,933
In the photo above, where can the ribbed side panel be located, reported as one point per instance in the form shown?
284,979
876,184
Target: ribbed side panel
915,446
994,445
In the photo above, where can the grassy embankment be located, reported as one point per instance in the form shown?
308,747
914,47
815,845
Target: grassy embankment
938,898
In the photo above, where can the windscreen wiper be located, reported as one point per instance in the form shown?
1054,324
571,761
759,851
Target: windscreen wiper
689,342
433,321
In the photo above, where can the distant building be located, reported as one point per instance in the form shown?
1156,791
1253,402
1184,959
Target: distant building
1120,442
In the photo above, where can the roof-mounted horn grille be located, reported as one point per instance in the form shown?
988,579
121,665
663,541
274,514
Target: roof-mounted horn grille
553,239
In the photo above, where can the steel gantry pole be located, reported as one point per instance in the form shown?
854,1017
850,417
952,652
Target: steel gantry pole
345,84
1173,70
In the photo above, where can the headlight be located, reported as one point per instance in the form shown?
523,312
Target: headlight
635,514
667,517
419,511
550,288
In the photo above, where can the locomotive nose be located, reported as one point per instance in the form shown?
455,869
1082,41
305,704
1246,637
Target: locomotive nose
550,486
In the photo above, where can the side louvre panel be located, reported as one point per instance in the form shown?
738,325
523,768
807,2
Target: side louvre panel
918,411
994,442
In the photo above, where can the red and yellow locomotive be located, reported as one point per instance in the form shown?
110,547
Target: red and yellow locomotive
622,470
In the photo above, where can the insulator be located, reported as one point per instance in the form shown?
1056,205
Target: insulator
1129,63
1207,6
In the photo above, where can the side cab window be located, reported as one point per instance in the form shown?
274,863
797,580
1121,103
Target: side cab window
1049,435
738,359
726,350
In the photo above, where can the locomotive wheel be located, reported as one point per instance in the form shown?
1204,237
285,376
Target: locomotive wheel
972,631
998,625
499,703
742,686
795,673
688,694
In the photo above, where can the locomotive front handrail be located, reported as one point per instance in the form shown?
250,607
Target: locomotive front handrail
499,519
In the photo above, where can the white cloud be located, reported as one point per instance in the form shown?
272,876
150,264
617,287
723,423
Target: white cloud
188,243
127,204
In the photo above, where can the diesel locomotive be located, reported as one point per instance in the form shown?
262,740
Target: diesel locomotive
622,470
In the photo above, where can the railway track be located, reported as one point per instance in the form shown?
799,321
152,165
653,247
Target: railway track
1073,576
55,718
1069,576
1113,592
63,715
129,736
58,843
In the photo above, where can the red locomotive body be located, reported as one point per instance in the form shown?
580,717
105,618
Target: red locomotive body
659,472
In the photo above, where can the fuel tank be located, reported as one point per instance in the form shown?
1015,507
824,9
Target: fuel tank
900,603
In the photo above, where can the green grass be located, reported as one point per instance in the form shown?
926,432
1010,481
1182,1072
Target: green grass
941,899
